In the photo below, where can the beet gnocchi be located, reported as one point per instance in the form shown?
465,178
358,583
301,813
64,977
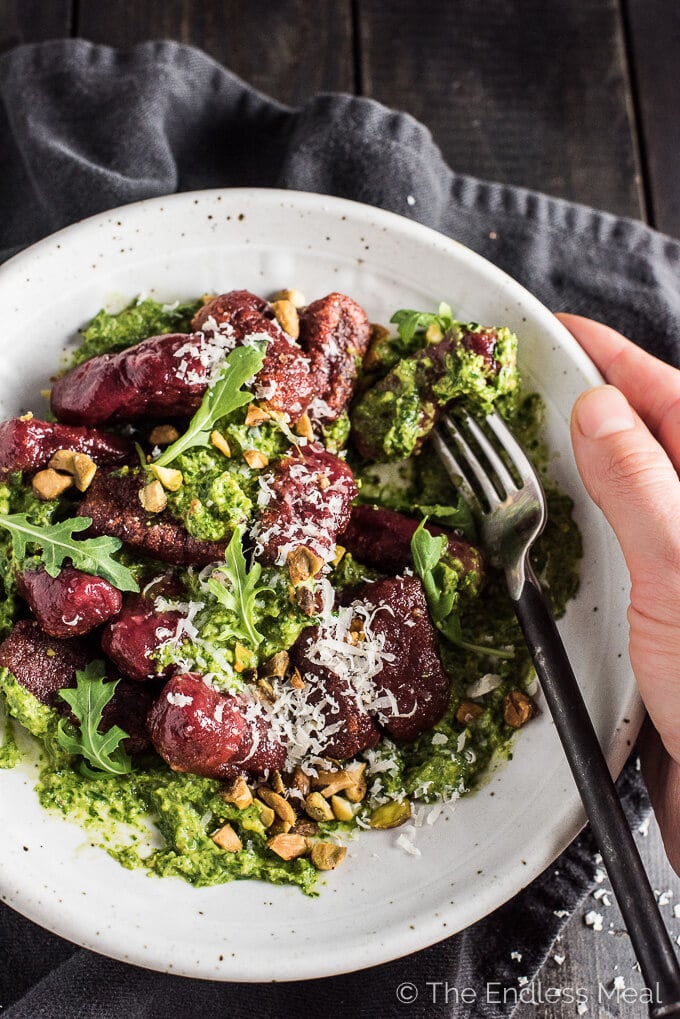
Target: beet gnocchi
228,609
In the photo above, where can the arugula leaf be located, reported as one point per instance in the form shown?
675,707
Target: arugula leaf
427,550
56,542
220,399
101,750
458,517
239,590
410,322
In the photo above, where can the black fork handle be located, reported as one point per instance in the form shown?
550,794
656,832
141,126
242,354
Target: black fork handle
640,911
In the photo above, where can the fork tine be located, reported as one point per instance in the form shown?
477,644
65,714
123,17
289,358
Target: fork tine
520,461
481,475
454,471
502,472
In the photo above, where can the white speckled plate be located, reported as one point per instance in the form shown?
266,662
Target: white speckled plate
382,903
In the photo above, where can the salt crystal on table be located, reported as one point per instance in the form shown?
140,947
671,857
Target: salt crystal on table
581,1008
665,897
594,920
559,959
517,956
676,910
619,983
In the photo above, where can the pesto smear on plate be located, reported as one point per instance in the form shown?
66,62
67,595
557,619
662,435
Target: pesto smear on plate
243,612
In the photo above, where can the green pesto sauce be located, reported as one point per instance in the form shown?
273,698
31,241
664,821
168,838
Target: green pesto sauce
215,496
218,492
336,433
108,333
184,811
394,413
397,411
9,750
160,820
17,498
212,651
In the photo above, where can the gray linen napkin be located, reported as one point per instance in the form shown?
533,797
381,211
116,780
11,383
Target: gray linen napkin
84,128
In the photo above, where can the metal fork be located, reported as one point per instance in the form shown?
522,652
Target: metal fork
506,496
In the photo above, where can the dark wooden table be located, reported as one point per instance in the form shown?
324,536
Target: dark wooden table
578,98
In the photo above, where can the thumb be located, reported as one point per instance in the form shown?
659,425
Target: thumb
630,477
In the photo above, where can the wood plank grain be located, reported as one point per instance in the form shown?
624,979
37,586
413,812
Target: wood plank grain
33,21
654,45
588,961
290,49
520,91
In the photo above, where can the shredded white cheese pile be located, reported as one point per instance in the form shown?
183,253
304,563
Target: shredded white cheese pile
208,348
305,720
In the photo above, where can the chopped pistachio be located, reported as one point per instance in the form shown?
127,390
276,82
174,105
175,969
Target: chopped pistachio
220,443
327,855
303,428
238,793
84,470
50,484
256,415
163,435
339,553
302,564
433,333
255,458
468,711
288,846
279,805
342,808
276,666
390,815
318,808
299,780
379,336
277,783
279,827
169,478
153,497
227,839
518,708
287,317
267,815
296,680
63,460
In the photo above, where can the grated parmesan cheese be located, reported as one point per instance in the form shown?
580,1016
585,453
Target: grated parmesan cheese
485,684
180,700
594,920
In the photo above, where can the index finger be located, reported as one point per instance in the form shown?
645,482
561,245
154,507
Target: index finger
650,386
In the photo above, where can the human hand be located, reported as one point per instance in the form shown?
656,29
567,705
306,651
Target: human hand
627,446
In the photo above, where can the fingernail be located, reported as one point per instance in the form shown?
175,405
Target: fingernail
603,411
